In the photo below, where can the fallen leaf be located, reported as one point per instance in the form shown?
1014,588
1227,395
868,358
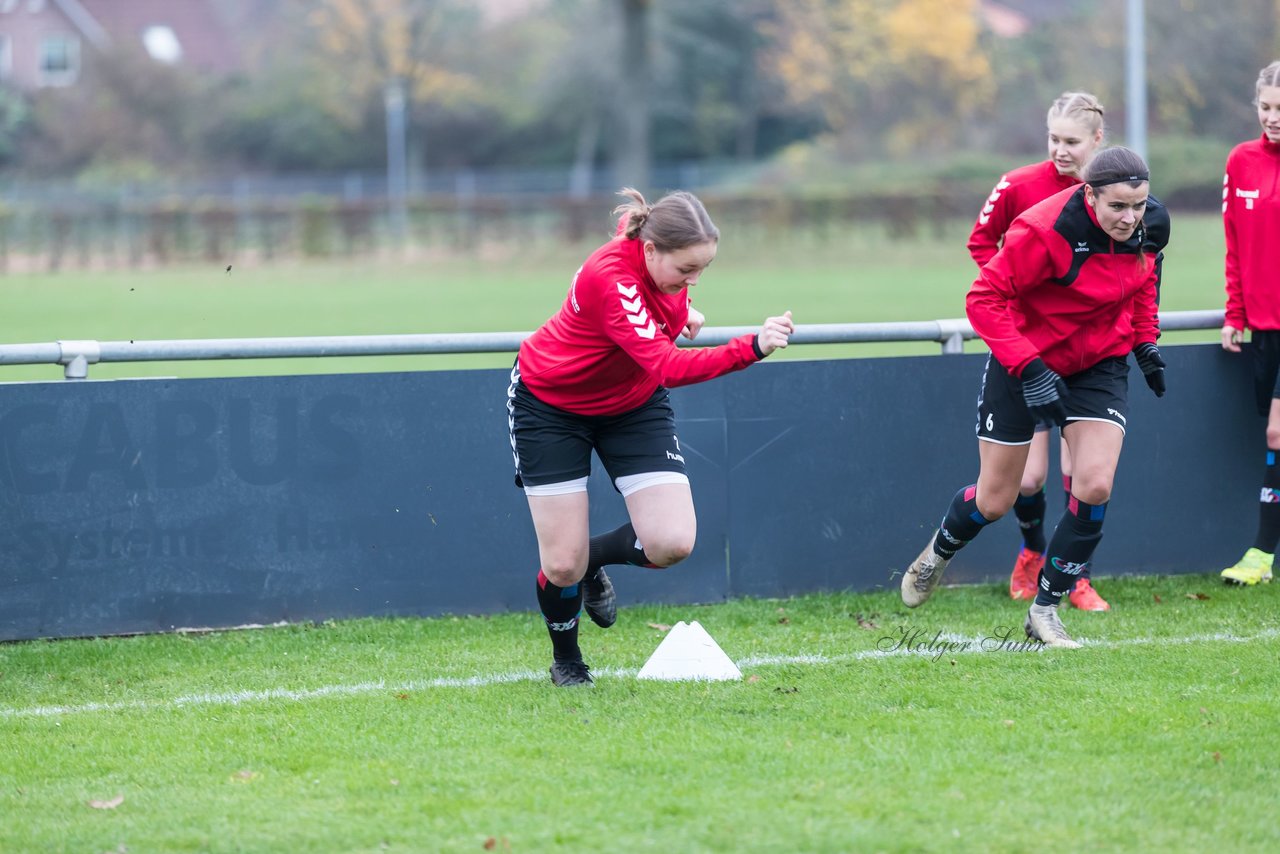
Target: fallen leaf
865,623
393,781
953,662
107,805
490,844
1156,596
402,696
1217,757
243,776
1007,723
662,627
784,621
754,677
1200,596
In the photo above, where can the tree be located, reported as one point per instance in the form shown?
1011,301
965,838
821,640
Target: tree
910,70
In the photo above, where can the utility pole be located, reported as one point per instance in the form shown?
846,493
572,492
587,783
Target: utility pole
1136,78
397,173
634,99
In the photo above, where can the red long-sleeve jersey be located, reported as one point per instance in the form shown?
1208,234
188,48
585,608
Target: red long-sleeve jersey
1014,193
613,341
1062,290
1251,220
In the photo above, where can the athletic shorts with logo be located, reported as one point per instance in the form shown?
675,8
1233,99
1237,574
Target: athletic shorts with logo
1099,393
551,445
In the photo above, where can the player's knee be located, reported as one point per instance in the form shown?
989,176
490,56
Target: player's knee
1032,482
995,505
1273,437
669,552
1091,489
563,572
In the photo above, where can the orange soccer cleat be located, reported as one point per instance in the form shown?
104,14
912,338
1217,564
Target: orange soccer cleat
1086,598
1026,574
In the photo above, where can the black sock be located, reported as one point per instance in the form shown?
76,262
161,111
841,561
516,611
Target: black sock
961,524
1066,502
1030,512
560,608
1077,535
1269,507
618,546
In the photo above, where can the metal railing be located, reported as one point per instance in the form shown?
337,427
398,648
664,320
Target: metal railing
77,355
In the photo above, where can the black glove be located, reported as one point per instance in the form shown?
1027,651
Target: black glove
1152,365
1045,393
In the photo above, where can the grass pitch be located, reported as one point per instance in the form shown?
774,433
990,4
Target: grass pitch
446,735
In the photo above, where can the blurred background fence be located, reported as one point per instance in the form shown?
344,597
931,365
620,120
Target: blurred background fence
51,226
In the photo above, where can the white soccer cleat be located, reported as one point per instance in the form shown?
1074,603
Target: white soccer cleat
920,579
1043,625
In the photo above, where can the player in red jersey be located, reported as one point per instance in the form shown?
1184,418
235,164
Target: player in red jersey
1251,218
1075,131
1070,294
595,377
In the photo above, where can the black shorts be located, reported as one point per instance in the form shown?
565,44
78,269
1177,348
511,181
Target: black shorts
553,446
1265,347
1099,393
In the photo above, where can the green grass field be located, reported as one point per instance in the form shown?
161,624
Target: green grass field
861,277
445,735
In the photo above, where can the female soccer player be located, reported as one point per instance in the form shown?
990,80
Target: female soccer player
1070,293
595,377
1075,128
1251,218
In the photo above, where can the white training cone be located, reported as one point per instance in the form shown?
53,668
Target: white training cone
688,652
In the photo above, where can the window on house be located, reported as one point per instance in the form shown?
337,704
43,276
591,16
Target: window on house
59,60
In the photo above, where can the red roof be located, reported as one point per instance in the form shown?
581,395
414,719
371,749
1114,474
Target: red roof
199,32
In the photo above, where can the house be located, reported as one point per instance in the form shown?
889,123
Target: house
53,42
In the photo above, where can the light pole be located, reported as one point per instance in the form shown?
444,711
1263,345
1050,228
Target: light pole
1136,79
397,173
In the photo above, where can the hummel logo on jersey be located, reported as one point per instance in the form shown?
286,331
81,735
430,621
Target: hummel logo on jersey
1069,567
634,307
990,207
1248,196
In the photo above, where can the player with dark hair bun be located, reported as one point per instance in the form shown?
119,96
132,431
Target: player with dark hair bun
1071,293
595,377
1075,130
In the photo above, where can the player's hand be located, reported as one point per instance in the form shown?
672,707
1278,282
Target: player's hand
694,326
1045,393
1152,365
775,333
1231,338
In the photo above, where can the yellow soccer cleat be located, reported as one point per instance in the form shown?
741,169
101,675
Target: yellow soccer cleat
1253,568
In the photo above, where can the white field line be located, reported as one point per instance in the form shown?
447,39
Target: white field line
926,646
